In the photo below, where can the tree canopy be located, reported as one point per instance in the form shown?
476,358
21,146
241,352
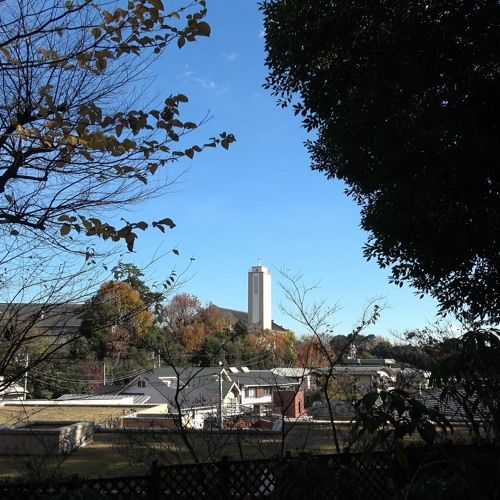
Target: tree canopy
114,318
403,98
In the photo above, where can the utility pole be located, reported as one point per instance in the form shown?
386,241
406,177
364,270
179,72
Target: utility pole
26,364
221,417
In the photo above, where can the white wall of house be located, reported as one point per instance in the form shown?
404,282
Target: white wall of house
251,396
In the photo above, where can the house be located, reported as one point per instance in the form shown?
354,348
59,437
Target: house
196,393
187,391
11,391
413,380
368,378
257,388
307,378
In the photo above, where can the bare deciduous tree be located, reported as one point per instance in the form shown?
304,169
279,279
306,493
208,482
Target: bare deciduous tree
317,317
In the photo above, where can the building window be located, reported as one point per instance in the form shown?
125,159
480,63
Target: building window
141,383
251,392
267,391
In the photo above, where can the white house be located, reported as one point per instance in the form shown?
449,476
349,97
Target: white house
11,391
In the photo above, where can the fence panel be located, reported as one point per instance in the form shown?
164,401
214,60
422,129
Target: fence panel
341,476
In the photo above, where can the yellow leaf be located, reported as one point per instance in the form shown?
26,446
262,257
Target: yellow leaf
65,229
72,140
21,131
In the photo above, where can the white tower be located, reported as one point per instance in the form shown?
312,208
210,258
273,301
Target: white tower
259,298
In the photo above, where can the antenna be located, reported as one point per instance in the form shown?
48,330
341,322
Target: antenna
259,260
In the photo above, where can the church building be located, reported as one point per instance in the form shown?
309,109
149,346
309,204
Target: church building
259,315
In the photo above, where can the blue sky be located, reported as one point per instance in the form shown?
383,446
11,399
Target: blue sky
260,198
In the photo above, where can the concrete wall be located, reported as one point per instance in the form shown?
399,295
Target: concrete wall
45,437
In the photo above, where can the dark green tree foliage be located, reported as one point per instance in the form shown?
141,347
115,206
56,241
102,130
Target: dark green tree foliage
403,97
131,274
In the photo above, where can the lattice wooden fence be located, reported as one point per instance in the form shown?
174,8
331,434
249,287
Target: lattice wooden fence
319,476
345,476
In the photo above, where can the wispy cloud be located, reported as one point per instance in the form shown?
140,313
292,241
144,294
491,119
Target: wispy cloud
186,74
222,91
230,56
208,84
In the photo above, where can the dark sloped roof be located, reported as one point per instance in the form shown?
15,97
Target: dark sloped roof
58,317
341,410
233,316
450,408
257,378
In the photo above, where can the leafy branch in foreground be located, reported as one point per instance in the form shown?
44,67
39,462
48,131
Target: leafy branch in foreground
76,143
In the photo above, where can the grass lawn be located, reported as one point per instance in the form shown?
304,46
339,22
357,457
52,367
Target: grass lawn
10,414
118,453
124,454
